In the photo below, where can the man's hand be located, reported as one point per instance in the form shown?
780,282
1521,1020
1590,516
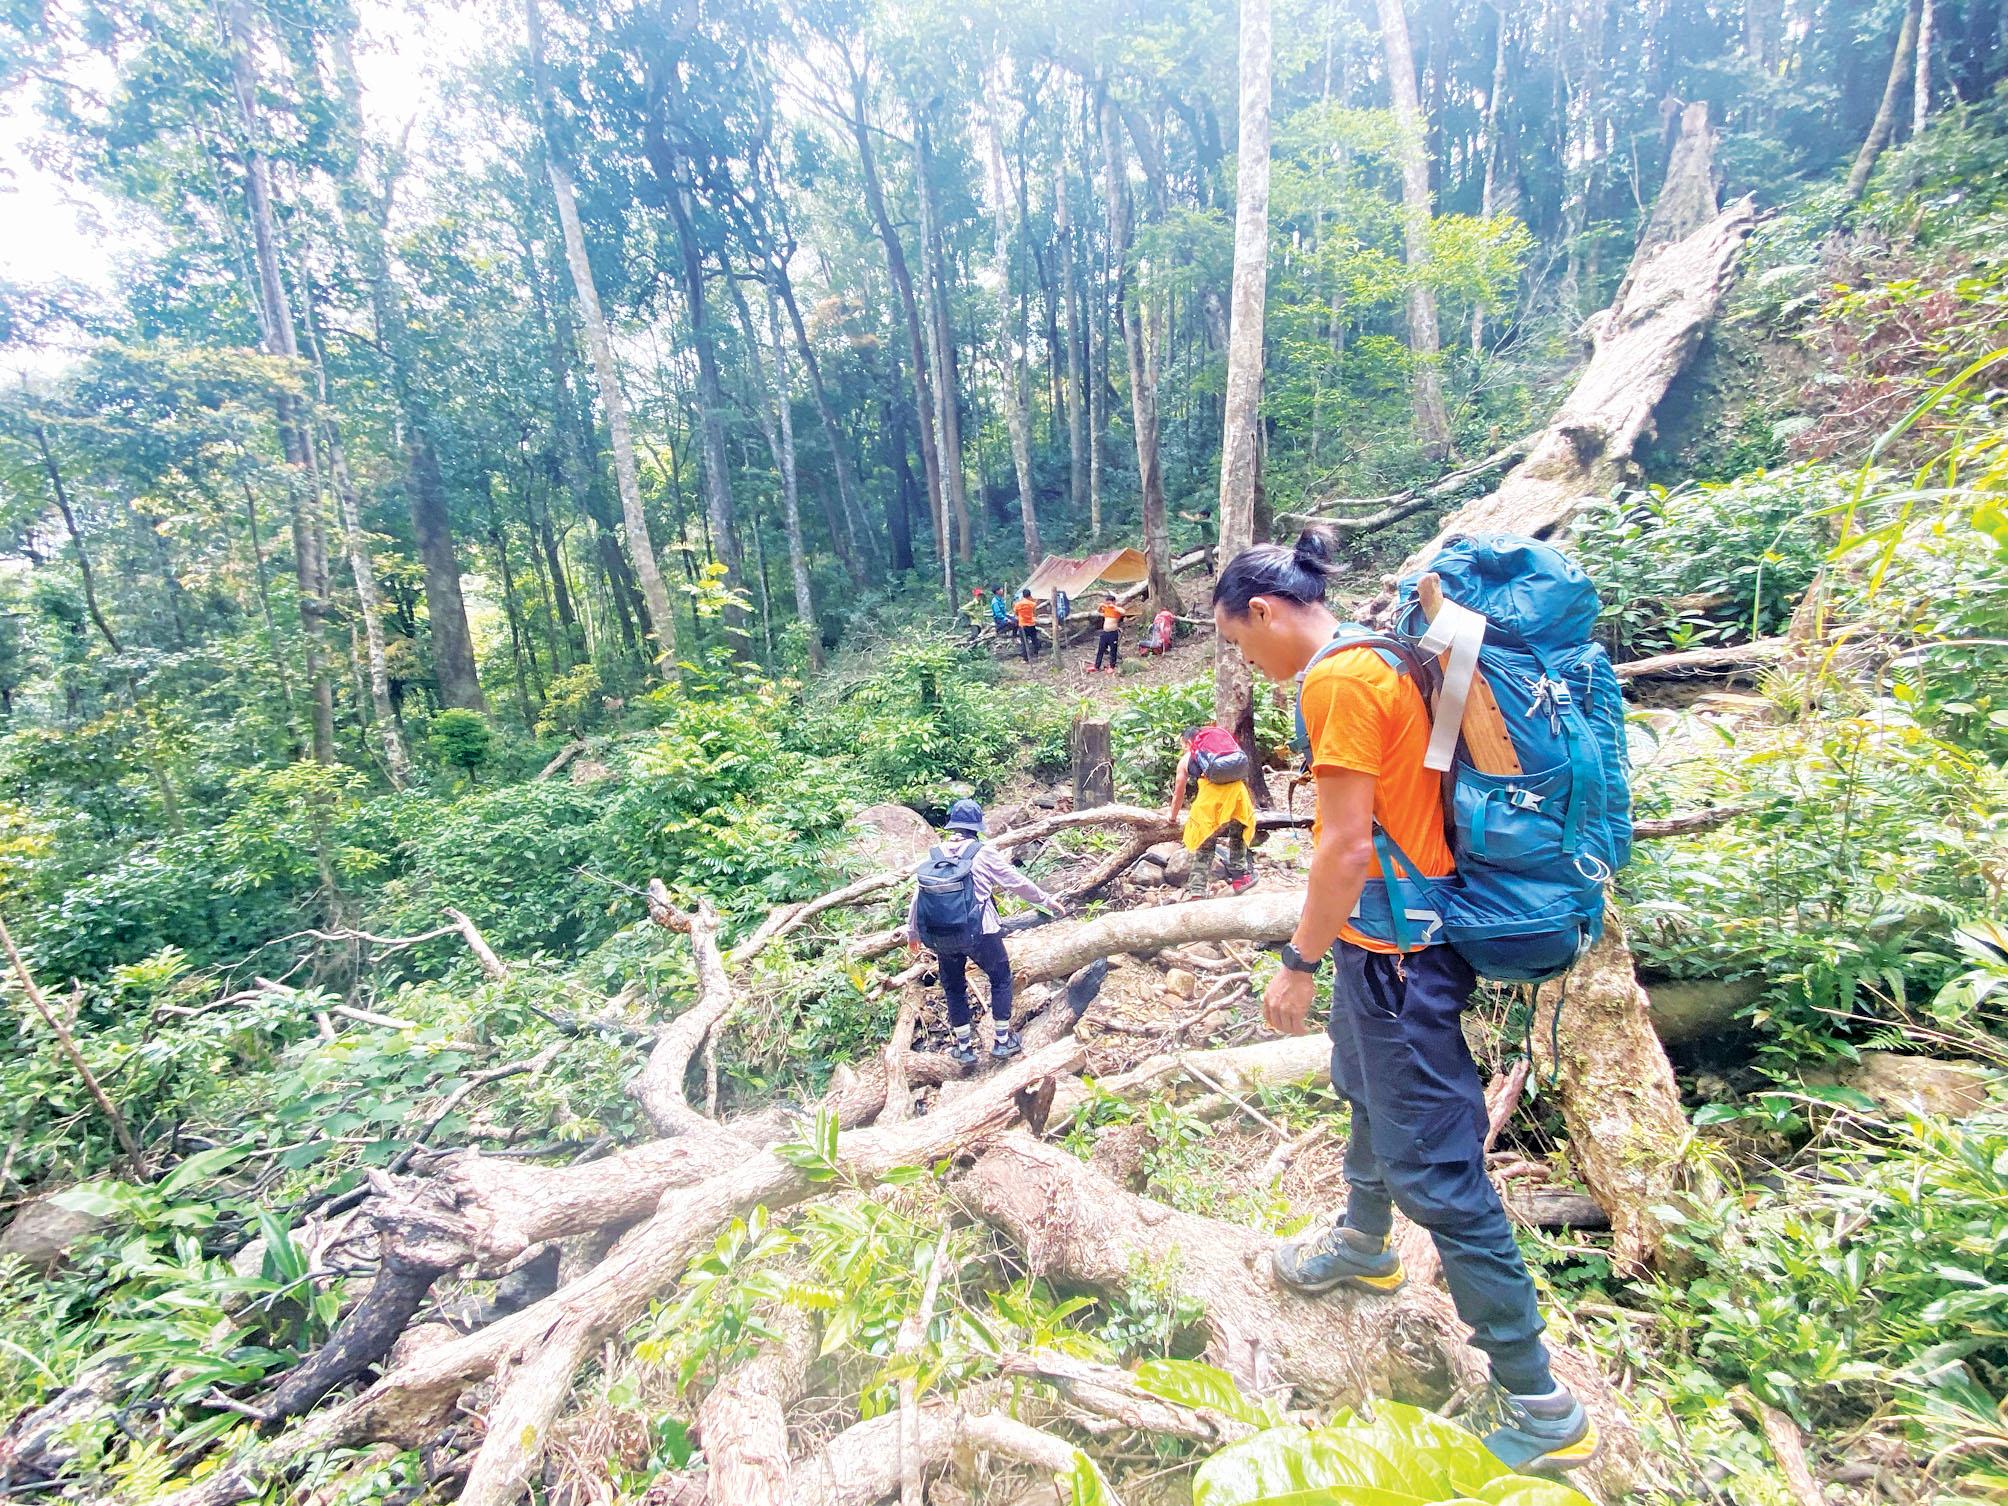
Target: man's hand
913,945
1286,1003
1057,907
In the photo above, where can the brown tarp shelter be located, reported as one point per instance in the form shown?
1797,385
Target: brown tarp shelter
1077,577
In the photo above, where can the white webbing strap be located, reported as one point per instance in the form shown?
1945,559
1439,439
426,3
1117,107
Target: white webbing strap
1462,632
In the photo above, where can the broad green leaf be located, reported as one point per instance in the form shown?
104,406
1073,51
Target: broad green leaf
1287,1460
1191,1384
1429,1450
1085,1485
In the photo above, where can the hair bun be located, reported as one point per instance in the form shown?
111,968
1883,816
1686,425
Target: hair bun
1314,548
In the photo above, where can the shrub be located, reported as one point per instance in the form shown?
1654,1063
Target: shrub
1145,734
461,739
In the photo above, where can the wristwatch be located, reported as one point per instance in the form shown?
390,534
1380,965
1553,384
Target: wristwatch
1297,962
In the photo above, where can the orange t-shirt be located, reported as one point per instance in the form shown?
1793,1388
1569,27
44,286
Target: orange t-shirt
1028,611
1366,718
1111,615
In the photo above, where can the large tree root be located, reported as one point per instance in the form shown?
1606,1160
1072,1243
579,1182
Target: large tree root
1627,1133
1077,1227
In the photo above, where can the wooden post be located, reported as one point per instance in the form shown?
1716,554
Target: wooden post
1094,766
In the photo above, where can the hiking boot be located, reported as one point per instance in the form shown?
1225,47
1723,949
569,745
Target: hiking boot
1005,1044
1240,882
1536,1435
962,1053
1340,1255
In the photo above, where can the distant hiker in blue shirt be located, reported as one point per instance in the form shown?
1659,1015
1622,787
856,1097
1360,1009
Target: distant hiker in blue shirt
954,915
1000,611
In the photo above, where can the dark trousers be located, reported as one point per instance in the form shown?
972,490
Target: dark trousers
991,957
1108,643
1028,641
1418,1141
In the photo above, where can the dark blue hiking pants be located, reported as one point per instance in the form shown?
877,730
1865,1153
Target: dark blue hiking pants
1418,1141
996,964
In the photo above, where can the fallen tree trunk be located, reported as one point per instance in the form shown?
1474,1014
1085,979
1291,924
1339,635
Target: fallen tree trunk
538,1349
1079,1229
1627,1133
1640,345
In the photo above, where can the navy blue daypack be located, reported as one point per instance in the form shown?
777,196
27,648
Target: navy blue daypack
1535,850
947,918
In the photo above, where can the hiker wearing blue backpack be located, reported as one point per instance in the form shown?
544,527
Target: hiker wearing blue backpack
1412,913
954,915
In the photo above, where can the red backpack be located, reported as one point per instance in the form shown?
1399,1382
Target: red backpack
1217,757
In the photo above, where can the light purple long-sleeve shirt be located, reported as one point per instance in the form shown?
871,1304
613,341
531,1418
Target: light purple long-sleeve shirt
991,873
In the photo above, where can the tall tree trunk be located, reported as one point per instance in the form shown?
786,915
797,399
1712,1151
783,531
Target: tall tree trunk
899,500
1920,89
1432,422
1885,121
1233,700
916,353
833,432
62,495
369,606
947,399
279,668
1012,335
711,430
578,455
1140,341
777,424
1070,313
275,317
1488,202
662,620
425,493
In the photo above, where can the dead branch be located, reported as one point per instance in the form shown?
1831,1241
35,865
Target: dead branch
467,1085
1707,661
1687,822
566,754
1403,504
659,1086
484,954
68,1045
1788,1446
912,1333
1115,1395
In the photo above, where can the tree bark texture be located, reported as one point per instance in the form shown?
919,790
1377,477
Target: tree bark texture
1077,1228
1233,690
1011,337
1641,345
1432,422
655,595
1884,125
1140,347
1627,1134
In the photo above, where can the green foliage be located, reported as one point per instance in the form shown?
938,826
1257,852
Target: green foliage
461,739
922,722
1872,1270
1145,733
1704,565
1401,1456
1866,841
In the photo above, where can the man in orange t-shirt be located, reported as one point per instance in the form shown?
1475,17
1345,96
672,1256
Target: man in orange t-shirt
1417,1132
1026,611
1110,642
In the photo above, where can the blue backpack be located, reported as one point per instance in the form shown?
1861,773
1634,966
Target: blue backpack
1535,850
947,918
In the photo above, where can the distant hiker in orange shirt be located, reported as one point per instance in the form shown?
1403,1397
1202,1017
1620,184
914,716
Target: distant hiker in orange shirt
1026,610
1112,632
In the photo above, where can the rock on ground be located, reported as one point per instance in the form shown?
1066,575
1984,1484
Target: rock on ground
44,1233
